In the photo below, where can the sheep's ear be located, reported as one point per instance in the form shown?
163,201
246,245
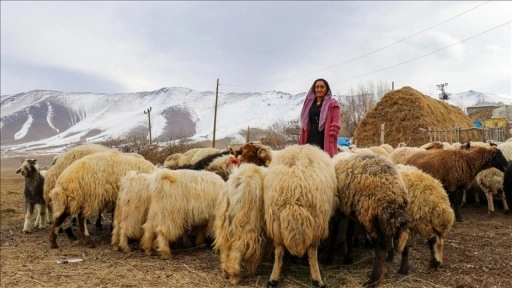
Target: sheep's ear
18,171
466,146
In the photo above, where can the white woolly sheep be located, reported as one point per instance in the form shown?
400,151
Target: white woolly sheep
34,181
181,199
186,158
223,165
379,151
431,214
91,185
61,162
135,193
204,152
400,155
491,182
239,224
506,148
133,200
173,161
299,199
387,147
371,192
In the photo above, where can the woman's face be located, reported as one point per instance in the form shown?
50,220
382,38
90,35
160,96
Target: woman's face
320,88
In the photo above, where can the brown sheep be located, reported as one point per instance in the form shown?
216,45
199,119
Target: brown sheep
456,169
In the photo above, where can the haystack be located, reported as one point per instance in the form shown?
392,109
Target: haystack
406,113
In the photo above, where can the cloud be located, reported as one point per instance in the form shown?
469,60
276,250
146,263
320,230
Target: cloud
34,76
255,46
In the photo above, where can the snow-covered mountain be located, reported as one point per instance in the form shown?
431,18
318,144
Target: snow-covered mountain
50,121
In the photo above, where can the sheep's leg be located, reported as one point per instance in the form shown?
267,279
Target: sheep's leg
313,266
391,255
504,200
490,201
55,229
278,263
477,198
163,246
224,255
86,238
200,235
69,232
334,224
42,216
349,239
98,225
379,262
254,260
28,218
115,236
404,265
233,266
123,239
38,217
455,199
185,239
147,239
50,213
464,198
436,245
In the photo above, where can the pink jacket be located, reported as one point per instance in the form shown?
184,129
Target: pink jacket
329,120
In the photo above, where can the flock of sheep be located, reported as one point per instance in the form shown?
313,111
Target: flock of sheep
254,200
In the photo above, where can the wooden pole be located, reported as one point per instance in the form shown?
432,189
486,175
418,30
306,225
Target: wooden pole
148,111
215,115
382,133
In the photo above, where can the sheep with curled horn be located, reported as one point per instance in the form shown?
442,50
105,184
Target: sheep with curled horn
256,153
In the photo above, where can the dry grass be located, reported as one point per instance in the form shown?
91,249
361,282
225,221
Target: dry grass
404,112
478,253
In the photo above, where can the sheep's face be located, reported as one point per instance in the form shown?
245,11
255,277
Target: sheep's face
498,160
256,154
28,167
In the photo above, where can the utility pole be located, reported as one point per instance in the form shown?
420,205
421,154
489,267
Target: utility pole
215,115
443,96
148,111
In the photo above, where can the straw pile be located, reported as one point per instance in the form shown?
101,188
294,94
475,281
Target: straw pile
404,112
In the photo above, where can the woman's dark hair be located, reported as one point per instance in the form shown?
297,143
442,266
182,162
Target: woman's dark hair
323,80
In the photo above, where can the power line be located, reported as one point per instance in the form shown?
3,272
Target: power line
417,58
364,55
425,55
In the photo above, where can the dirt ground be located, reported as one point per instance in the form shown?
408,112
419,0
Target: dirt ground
478,253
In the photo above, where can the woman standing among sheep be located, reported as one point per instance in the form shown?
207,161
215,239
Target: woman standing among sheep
320,118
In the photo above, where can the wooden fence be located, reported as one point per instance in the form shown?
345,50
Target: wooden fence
499,134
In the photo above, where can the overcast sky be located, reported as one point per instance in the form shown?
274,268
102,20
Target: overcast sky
118,47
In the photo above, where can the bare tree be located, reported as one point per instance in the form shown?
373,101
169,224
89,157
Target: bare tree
358,103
